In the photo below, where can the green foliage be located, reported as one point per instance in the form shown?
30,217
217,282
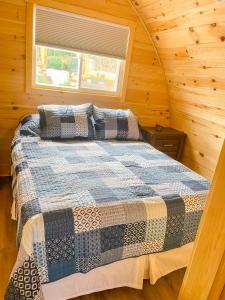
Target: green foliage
62,63
62,60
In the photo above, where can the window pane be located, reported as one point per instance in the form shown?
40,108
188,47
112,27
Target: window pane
100,73
56,67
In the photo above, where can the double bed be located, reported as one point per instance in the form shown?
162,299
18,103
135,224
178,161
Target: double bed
95,215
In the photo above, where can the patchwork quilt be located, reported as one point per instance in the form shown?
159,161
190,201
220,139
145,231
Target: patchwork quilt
84,204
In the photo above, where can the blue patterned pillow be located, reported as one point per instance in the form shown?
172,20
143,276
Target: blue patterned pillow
66,121
30,125
117,124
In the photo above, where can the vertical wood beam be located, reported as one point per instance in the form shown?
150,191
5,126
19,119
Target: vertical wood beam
210,242
219,281
30,45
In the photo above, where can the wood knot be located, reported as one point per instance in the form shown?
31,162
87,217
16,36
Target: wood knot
222,38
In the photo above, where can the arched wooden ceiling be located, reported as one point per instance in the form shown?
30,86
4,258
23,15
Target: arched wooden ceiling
190,38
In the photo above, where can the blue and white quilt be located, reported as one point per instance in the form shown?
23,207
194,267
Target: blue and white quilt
84,204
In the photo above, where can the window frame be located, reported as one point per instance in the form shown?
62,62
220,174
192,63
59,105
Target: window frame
32,87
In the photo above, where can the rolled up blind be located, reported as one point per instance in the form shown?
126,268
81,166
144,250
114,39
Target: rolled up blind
70,31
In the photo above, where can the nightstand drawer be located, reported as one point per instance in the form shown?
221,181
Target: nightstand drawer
172,154
167,140
167,144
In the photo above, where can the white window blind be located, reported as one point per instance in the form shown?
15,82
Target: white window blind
70,31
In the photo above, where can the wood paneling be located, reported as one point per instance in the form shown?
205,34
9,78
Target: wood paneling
218,286
222,297
146,90
8,249
205,275
166,288
190,38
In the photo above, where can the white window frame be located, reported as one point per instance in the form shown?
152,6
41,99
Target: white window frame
32,87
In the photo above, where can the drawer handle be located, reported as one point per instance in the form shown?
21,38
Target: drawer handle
168,145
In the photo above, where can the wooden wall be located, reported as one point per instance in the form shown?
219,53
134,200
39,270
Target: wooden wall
190,39
146,91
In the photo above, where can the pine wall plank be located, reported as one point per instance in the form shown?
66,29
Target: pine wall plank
190,39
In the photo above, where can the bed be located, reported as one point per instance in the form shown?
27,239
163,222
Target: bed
96,209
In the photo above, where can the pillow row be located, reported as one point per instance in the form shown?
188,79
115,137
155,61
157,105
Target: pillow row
86,121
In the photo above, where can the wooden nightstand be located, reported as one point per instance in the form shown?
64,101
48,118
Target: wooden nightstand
168,140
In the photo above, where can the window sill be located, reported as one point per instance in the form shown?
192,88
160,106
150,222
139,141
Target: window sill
87,95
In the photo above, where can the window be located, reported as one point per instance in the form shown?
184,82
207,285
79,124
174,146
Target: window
78,53
100,73
70,69
56,67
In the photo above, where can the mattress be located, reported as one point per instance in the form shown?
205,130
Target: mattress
84,204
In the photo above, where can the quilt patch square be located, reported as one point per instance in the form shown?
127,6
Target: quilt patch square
86,219
25,281
85,264
60,269
195,185
110,215
156,229
175,221
112,237
135,233
88,243
102,194
60,249
142,191
191,222
135,212
58,223
29,209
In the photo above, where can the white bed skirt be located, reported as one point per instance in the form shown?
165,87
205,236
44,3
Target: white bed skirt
128,272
